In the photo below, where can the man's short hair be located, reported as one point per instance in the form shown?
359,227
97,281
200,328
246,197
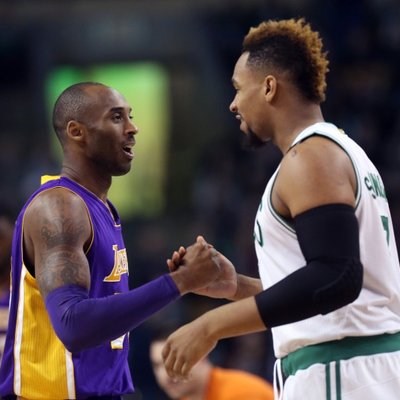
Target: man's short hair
291,47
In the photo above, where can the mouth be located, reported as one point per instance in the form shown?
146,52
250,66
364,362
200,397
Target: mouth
243,126
128,150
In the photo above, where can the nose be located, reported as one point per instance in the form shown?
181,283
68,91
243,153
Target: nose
132,128
233,106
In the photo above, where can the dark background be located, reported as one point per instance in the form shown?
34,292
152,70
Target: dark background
213,187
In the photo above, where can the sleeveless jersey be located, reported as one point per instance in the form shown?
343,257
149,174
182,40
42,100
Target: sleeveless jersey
377,309
36,364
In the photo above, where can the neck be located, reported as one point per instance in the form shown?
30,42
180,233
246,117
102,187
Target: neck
287,129
96,183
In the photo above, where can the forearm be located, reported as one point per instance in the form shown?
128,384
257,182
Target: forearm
234,319
82,322
246,287
192,342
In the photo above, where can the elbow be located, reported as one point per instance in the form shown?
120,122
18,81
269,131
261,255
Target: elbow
73,346
344,290
67,308
353,282
71,341
357,283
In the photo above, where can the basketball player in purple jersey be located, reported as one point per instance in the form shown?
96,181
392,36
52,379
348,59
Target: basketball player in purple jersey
71,308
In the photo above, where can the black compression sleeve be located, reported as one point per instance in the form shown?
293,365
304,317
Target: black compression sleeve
332,278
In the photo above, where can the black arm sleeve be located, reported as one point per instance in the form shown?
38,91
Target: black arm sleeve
332,278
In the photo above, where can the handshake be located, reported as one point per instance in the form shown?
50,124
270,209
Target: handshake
201,269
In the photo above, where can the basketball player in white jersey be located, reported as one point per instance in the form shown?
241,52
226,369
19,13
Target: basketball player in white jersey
330,276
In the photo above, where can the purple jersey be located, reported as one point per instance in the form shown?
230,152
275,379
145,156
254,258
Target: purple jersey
35,363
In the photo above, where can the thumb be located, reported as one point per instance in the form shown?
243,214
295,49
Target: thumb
201,240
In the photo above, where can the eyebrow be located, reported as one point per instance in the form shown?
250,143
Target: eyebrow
120,109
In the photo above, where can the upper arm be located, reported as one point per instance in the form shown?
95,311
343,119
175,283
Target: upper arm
57,230
315,172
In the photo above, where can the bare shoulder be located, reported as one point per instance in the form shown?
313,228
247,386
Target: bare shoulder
316,157
56,218
313,173
58,207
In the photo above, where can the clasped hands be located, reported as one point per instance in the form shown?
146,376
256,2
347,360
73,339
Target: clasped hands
186,346
222,284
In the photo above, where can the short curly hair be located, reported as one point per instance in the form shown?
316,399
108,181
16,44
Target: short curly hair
293,47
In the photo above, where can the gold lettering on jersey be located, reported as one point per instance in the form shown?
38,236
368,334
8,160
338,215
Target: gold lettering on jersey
118,344
120,265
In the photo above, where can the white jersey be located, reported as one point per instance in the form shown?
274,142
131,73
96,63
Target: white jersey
377,309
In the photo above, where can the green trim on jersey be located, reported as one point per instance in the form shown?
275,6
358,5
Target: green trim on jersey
344,349
328,381
337,382
286,224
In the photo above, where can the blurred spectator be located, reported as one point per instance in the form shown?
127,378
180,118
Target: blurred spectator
6,231
208,382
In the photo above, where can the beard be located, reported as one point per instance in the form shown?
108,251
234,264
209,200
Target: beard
251,141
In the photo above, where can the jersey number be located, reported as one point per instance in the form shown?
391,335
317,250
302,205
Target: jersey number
385,223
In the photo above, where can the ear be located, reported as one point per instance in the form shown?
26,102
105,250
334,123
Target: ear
75,130
270,88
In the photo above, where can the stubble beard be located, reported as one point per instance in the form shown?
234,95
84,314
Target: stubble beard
251,141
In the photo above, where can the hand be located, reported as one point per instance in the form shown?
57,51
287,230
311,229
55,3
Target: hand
175,261
197,268
185,347
224,286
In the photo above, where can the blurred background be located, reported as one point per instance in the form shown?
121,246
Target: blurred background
173,61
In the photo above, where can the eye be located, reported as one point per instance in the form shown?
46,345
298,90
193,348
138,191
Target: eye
117,117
